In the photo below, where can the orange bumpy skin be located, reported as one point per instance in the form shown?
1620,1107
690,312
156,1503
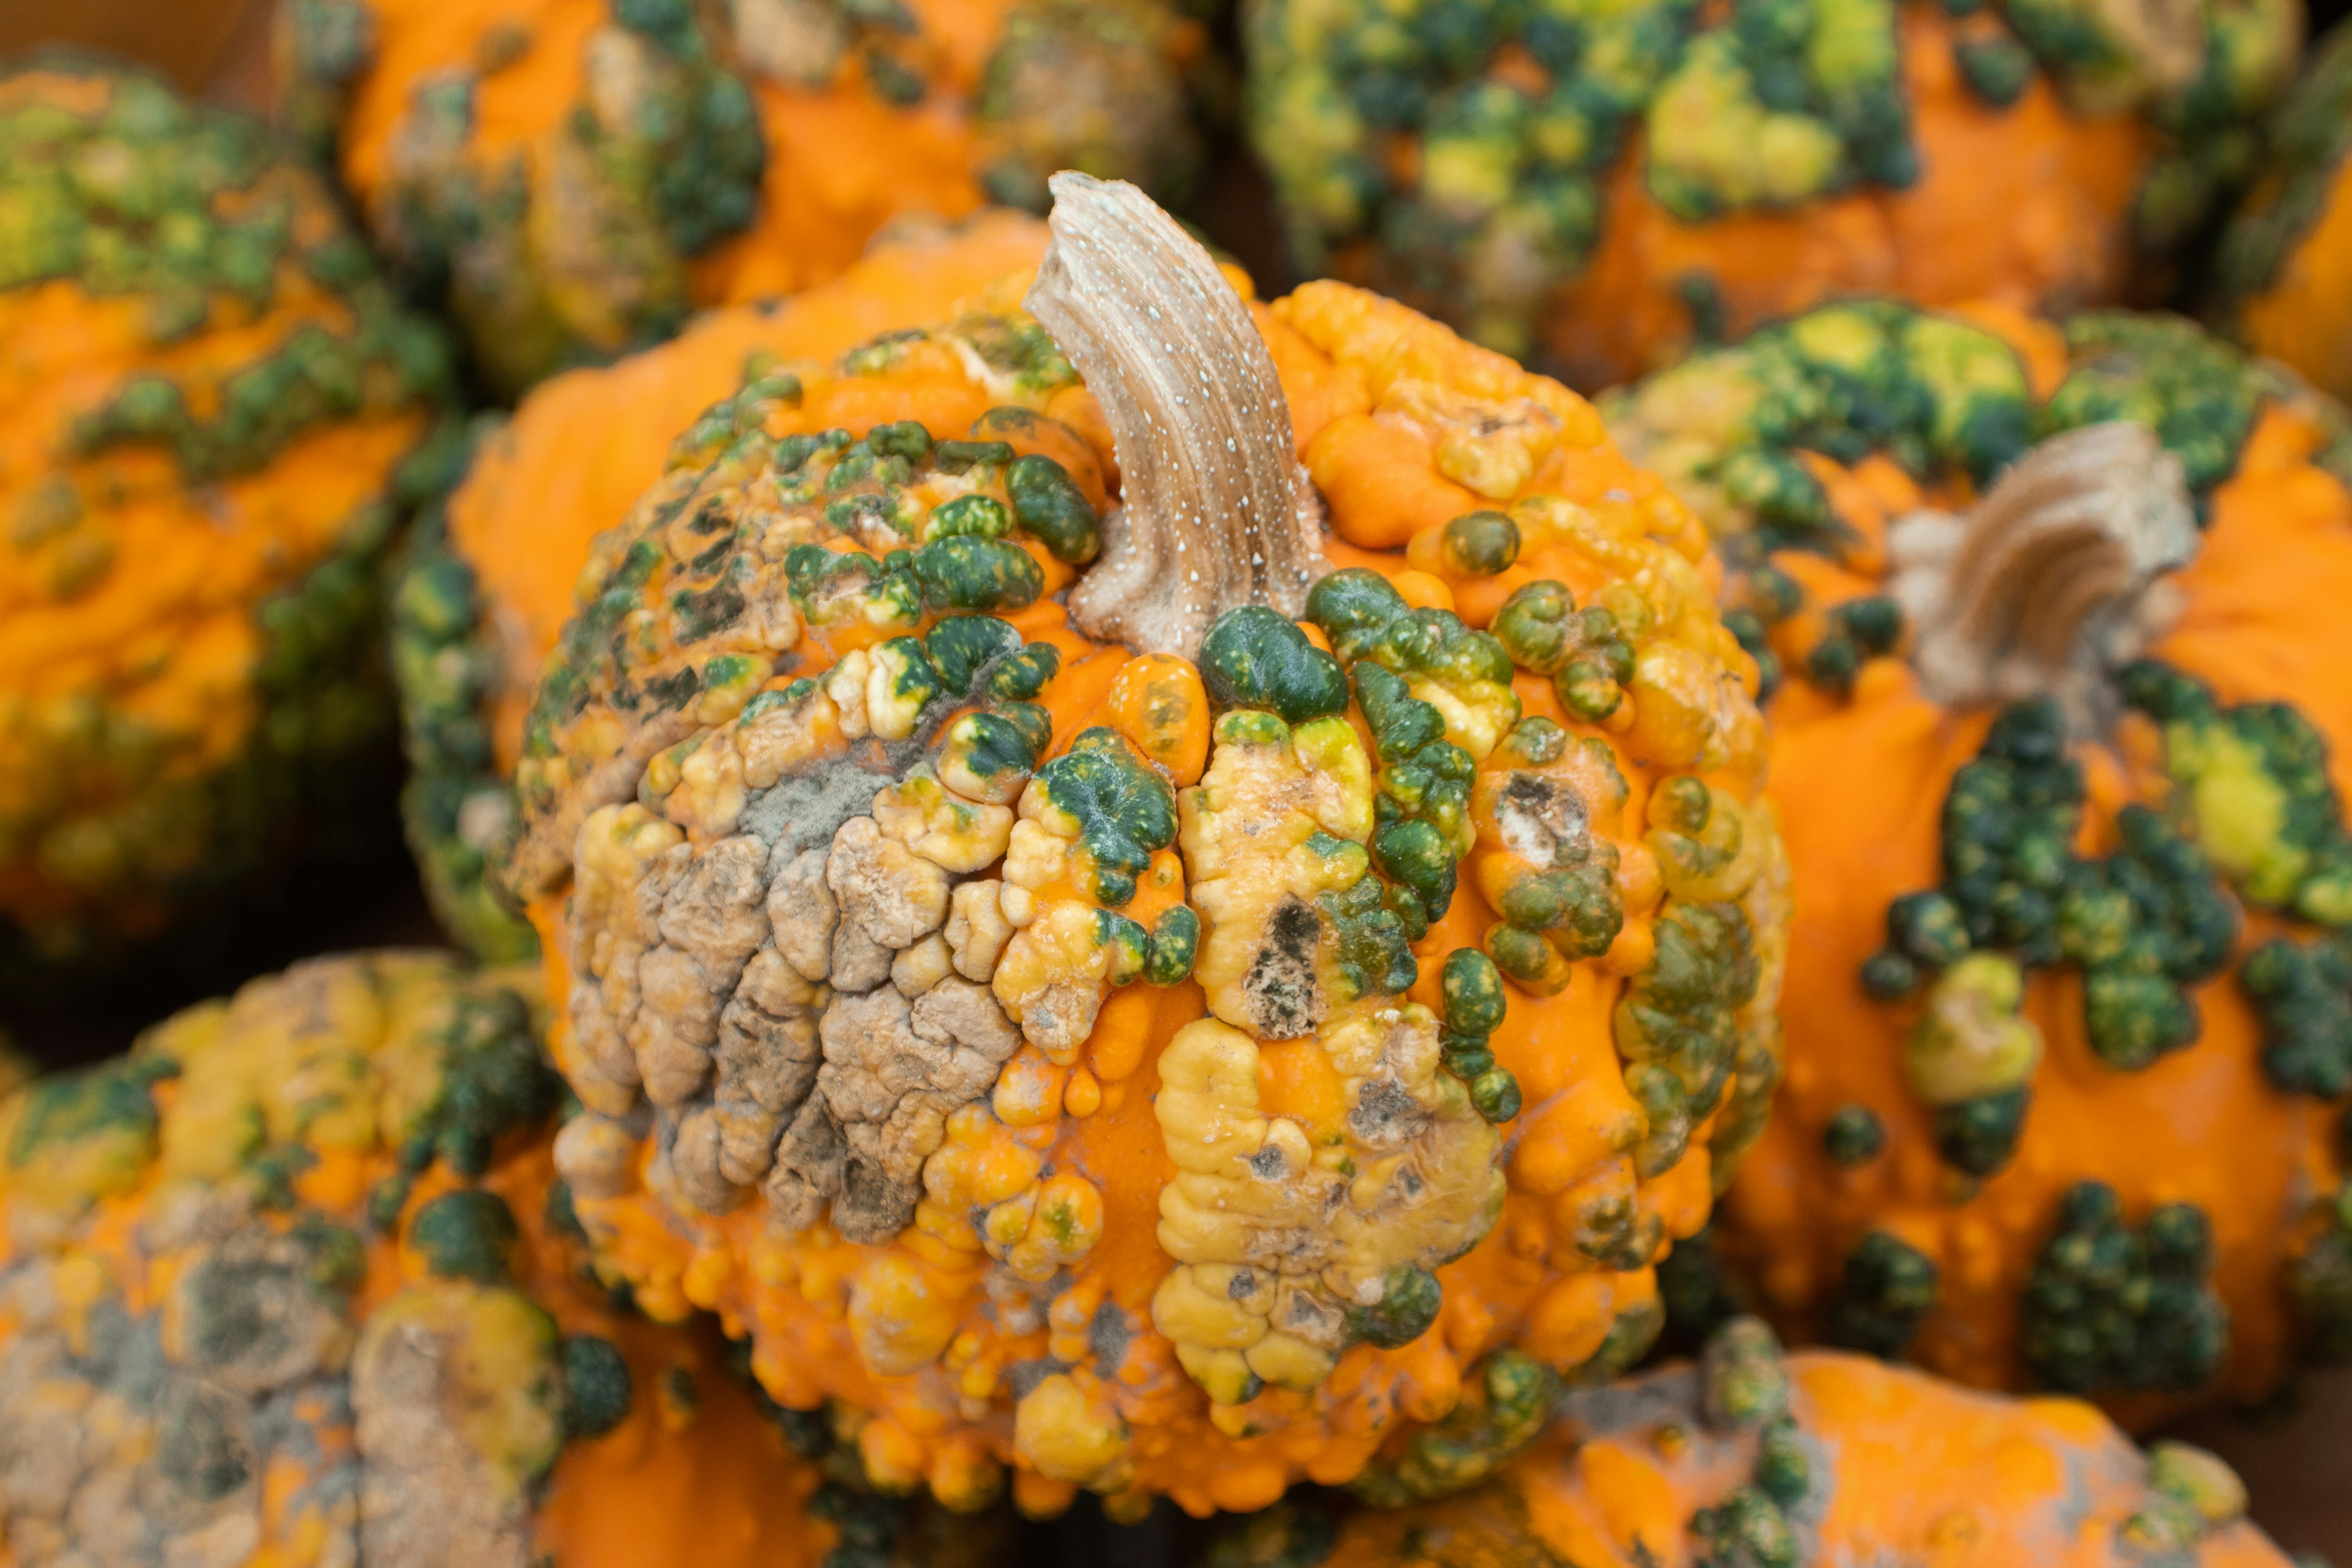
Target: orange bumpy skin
1036,1060
206,398
2283,275
481,600
2064,981
1597,192
295,1283
579,175
1817,1458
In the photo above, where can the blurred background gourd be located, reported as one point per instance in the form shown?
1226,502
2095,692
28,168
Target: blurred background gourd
294,1280
2283,275
1752,1457
569,178
217,417
1599,189
2061,746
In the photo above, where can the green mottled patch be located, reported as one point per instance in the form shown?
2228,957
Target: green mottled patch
456,805
1375,953
1018,351
2319,1283
1793,100
188,215
1938,394
1175,940
1409,1301
1397,659
88,1134
2143,924
2309,137
2198,394
467,1235
2113,1309
1252,657
1677,1026
129,199
1503,1406
2301,991
494,1081
1888,1290
1123,810
596,1385
883,532
973,574
2250,785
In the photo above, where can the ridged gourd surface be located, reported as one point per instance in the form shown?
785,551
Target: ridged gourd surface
1176,1073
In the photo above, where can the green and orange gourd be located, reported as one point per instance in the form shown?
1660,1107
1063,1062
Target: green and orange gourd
1761,1460
2060,746
2284,274
214,420
1600,189
294,1282
570,177
1075,978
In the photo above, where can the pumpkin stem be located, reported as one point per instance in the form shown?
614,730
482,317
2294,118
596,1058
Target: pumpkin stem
2052,580
1215,511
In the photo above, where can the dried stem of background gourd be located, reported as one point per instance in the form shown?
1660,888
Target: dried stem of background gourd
2052,580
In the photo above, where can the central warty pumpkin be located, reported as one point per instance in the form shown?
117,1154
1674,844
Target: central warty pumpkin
1073,976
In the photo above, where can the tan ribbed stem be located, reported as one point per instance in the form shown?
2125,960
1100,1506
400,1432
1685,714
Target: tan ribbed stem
1214,510
2053,579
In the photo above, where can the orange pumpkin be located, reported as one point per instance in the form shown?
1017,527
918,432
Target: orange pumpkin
1083,1059
295,1282
2061,746
572,177
1602,192
213,419
1749,1458
484,587
2283,282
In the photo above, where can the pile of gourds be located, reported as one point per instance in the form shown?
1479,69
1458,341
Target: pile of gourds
1073,882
